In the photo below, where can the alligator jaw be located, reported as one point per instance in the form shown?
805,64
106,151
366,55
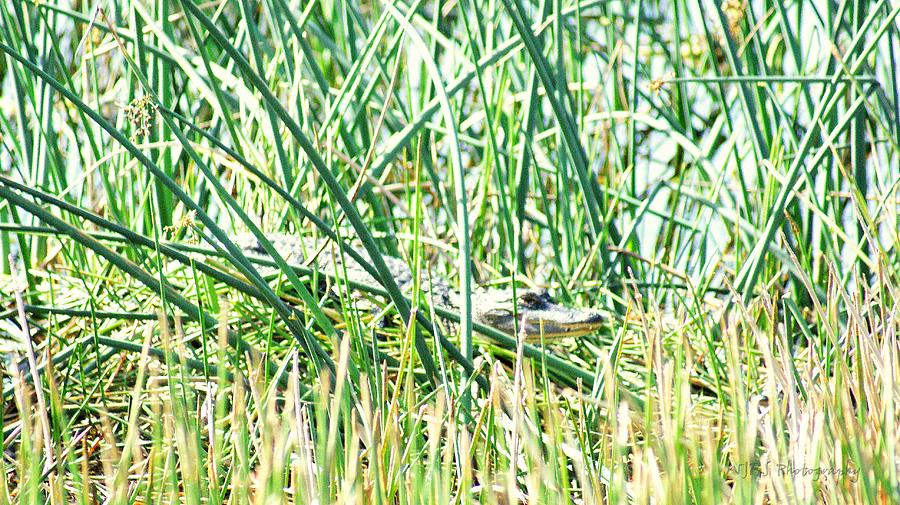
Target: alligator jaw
535,314
559,322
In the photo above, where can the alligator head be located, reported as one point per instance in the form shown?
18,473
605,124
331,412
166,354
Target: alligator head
533,311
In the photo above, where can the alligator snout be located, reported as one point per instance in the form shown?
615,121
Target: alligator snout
535,313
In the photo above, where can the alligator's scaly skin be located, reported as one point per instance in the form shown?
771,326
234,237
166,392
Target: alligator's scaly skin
533,312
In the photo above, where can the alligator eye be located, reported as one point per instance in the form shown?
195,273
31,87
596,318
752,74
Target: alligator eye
535,297
529,297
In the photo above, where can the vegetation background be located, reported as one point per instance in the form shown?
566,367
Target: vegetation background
720,177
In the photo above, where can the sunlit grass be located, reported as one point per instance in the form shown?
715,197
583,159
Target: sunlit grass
721,178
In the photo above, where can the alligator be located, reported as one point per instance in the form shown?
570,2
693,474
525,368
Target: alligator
532,312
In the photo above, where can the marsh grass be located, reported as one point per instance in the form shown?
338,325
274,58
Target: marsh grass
720,177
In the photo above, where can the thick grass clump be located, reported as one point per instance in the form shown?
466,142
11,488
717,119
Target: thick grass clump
719,177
